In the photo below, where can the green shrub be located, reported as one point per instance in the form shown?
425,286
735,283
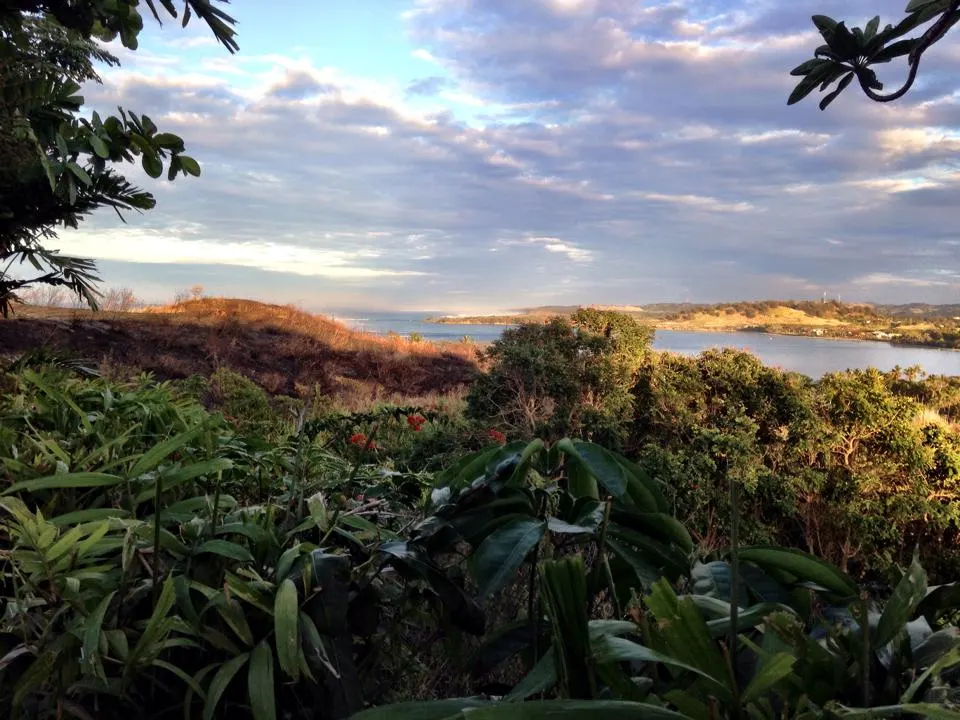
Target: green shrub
563,377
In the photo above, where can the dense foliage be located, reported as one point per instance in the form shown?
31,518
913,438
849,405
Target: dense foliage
56,166
203,549
570,375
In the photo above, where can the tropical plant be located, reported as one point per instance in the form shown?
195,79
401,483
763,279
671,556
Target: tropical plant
699,656
133,573
849,53
57,167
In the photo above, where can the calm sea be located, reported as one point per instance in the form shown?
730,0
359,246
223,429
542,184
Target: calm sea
811,356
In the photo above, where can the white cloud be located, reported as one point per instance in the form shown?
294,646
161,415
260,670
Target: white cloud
643,140
159,247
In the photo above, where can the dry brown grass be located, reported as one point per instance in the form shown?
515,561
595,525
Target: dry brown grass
291,318
283,348
928,416
784,316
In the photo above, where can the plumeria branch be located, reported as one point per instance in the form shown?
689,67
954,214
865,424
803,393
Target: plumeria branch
934,33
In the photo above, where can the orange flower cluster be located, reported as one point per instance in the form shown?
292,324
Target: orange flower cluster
416,422
497,436
360,440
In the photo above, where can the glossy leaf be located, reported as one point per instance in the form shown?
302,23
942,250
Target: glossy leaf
939,599
603,466
802,566
500,555
226,549
900,607
189,165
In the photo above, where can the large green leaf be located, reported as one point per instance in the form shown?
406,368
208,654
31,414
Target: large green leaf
603,466
260,683
938,600
70,481
83,516
746,619
802,566
667,558
148,643
529,453
580,481
158,453
773,670
91,635
220,682
184,474
285,617
501,554
644,570
226,549
611,649
661,526
908,594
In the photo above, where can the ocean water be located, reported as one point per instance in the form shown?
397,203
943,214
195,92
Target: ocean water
405,323
811,356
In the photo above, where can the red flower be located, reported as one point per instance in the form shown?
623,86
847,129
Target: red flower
416,422
360,440
497,436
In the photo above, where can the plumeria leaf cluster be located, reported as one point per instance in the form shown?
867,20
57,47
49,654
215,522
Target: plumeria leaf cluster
56,165
850,53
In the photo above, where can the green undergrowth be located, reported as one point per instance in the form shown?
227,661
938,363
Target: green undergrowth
166,555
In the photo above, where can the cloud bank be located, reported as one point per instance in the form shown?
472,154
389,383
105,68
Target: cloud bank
551,151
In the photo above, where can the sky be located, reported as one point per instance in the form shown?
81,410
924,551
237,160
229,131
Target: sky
482,155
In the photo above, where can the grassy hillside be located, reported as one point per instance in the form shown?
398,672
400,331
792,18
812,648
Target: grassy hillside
283,349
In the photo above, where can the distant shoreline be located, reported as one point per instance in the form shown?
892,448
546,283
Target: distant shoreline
847,323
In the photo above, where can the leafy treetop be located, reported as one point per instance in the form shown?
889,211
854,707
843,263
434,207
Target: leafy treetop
56,167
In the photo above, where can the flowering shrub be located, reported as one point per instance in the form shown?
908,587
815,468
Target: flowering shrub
416,422
360,440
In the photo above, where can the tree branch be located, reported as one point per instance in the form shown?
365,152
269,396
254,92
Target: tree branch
932,35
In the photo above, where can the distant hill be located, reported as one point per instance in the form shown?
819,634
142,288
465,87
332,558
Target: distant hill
922,310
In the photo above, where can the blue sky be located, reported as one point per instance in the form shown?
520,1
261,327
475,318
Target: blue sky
470,155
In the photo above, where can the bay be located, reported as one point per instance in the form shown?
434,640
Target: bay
811,356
